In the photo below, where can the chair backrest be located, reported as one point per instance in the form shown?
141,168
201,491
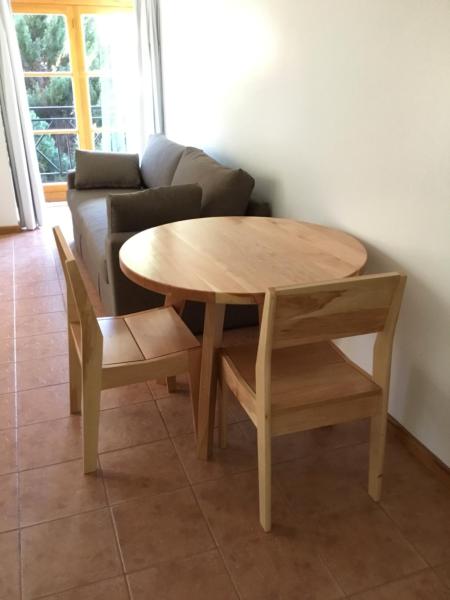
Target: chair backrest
297,315
65,254
79,306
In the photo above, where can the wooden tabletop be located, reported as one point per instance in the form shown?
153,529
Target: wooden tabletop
233,260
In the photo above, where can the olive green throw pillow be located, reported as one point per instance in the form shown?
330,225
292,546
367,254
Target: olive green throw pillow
106,170
152,207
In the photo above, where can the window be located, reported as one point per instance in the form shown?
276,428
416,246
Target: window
77,62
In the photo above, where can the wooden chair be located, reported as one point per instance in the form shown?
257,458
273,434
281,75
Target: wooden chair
296,378
109,352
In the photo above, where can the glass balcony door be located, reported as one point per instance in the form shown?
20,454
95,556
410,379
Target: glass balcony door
111,71
49,81
72,77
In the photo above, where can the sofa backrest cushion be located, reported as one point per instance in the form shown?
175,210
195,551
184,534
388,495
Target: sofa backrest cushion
226,192
153,207
159,161
106,170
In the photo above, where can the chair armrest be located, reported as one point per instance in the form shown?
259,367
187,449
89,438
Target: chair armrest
71,180
258,209
152,207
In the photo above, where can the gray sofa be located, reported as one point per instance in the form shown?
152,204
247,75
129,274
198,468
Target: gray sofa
108,205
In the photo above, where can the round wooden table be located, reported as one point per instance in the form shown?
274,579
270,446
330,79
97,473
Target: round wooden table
233,260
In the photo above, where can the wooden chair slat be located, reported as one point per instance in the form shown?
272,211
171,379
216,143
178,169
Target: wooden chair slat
297,379
106,352
349,307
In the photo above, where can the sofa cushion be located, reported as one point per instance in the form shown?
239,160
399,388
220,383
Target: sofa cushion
153,207
159,161
77,197
226,192
106,169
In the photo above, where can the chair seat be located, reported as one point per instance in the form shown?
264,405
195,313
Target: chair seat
304,375
143,336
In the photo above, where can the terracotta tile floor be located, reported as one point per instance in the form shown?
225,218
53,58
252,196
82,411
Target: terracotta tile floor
157,524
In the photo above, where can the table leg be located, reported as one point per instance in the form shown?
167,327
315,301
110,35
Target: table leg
260,312
178,305
212,339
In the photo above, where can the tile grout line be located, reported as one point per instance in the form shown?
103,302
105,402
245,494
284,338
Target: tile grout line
410,542
328,569
379,586
68,416
72,459
377,506
213,537
68,516
34,335
17,430
187,478
190,484
77,587
114,527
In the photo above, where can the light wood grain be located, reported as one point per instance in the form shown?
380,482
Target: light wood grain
235,259
119,345
146,328
338,309
73,324
178,304
115,351
293,382
212,339
195,362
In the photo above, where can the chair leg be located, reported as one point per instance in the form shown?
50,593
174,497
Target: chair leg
171,383
75,378
91,416
195,361
265,475
223,396
378,426
178,304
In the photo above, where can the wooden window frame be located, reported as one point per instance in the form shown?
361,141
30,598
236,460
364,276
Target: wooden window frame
73,10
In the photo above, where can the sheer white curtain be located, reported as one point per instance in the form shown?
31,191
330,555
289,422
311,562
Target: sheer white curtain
150,77
131,87
18,131
119,101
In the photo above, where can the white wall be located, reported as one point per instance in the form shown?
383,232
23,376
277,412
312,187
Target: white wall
341,111
8,212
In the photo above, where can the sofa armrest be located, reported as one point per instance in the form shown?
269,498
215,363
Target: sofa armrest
153,207
71,180
114,242
258,209
127,296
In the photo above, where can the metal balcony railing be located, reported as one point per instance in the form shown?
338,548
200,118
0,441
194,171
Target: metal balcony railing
56,151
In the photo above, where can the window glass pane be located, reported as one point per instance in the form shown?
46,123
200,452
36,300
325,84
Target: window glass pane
103,96
95,57
109,40
56,155
112,141
43,42
95,90
51,103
